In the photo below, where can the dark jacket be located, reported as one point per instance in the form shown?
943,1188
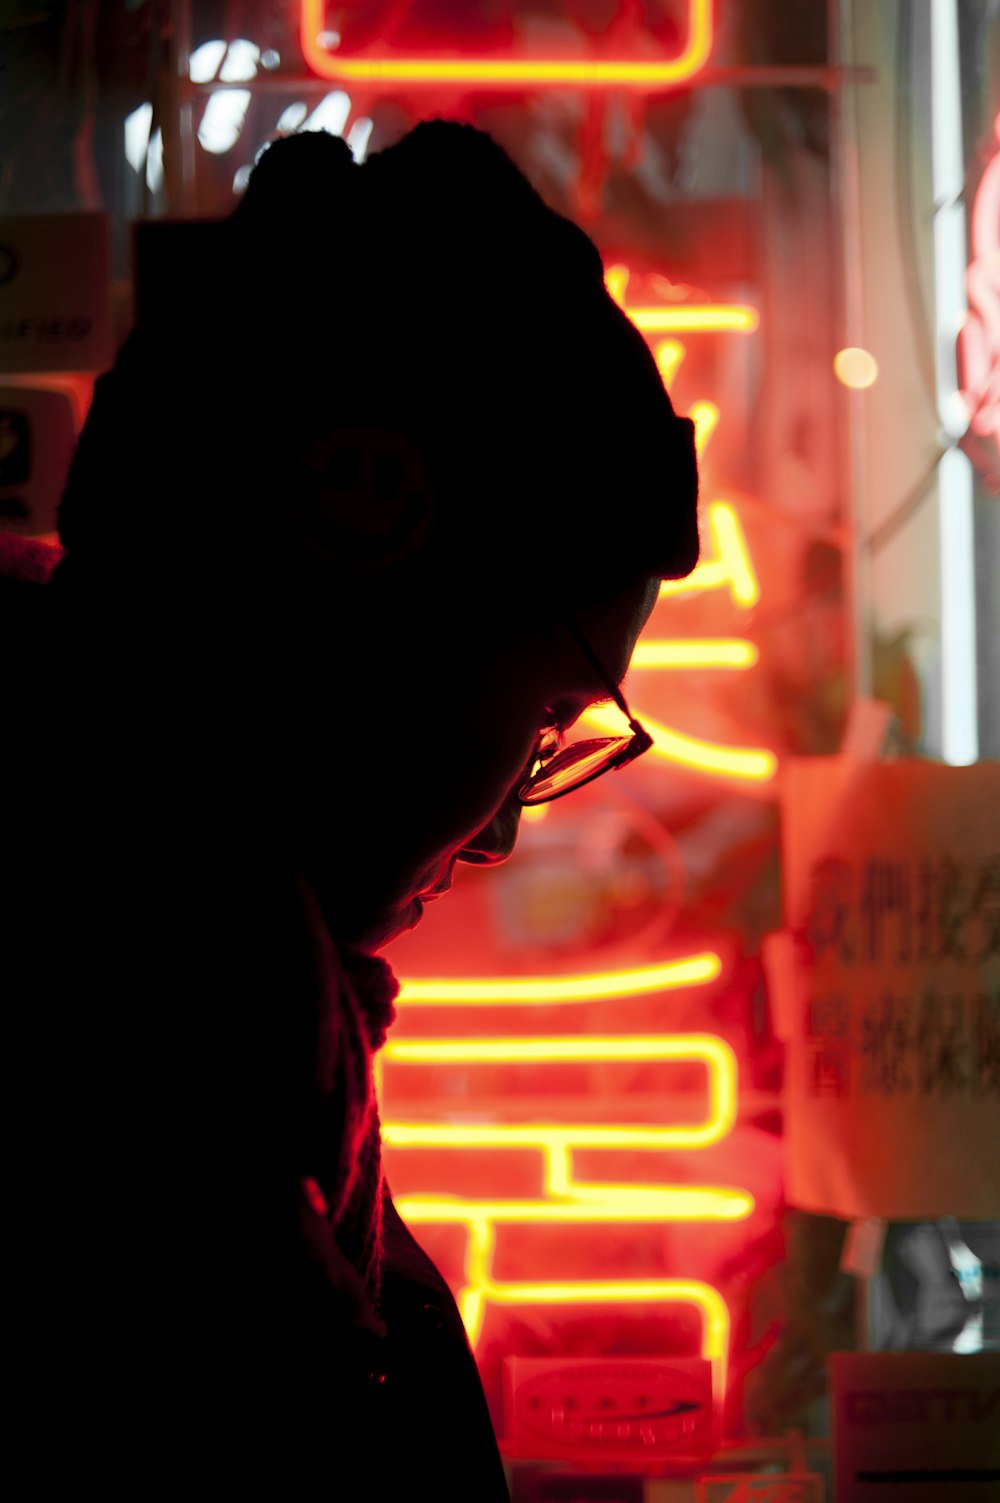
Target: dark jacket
171,1320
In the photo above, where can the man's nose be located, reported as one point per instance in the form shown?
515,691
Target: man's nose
495,841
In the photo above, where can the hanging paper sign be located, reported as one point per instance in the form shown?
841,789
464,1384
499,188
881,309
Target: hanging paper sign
55,293
893,1023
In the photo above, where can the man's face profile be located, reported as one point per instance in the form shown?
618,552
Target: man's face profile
467,810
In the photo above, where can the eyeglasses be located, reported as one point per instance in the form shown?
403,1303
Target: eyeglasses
556,770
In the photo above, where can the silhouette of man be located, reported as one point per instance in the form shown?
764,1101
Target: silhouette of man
363,519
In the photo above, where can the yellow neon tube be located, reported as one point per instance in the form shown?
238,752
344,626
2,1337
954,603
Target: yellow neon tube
708,1301
731,567
637,73
705,416
702,652
702,1046
669,354
692,318
482,1288
707,1049
695,318
751,764
684,1203
524,991
616,279
698,1203
546,1135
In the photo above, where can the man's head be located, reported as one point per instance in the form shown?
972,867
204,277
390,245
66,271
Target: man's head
423,439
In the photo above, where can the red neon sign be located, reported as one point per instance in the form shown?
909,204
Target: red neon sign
553,1138
636,72
729,567
565,1199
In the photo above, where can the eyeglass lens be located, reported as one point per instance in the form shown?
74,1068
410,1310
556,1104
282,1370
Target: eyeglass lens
576,765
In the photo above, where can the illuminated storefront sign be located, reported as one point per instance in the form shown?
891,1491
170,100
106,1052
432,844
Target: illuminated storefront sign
565,1199
379,68
728,566
552,1137
415,1123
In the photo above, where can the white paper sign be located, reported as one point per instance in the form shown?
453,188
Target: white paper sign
893,904
55,293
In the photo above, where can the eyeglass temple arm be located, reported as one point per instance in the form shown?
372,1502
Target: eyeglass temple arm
602,674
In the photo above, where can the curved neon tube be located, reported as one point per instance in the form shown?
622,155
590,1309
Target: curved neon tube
750,764
508,73
705,416
525,991
702,1046
706,1049
695,318
698,1203
731,567
547,1135
669,355
700,652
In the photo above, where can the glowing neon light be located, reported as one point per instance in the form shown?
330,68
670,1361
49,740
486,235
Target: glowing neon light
545,1135
524,991
750,764
481,1289
691,318
497,1050
593,1203
631,1290
703,652
707,1049
560,1184
689,1202
564,1199
706,419
506,73
639,1204
709,1303
702,318
616,279
731,568
980,336
669,355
